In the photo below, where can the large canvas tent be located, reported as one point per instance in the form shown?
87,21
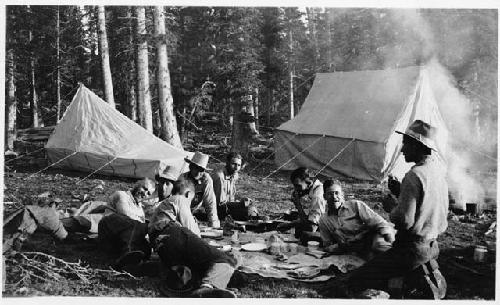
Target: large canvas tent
93,136
347,122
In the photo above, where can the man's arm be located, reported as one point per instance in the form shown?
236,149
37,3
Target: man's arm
217,183
326,237
374,220
185,217
403,216
210,203
164,213
317,209
298,205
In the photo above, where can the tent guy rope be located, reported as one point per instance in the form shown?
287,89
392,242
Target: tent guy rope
296,155
336,156
50,165
95,171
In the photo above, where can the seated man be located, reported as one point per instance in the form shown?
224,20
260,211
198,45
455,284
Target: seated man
175,208
351,226
204,190
309,202
224,181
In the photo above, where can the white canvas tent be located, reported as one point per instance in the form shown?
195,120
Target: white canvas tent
354,114
92,134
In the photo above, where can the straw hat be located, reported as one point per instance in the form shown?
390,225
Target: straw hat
170,172
422,132
199,159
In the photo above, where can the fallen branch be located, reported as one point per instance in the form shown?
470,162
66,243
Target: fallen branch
46,268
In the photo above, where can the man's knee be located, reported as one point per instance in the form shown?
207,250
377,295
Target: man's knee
218,275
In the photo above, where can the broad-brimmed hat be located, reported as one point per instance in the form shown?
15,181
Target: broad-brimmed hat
170,172
176,281
199,159
422,132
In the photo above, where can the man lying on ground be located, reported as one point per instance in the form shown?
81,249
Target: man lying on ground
128,203
224,181
351,226
309,202
204,204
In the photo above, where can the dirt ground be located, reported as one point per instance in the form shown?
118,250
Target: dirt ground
466,278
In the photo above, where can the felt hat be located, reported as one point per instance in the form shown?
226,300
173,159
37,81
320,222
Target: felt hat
177,280
422,132
170,172
199,159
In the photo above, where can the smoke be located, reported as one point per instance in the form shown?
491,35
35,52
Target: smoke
464,148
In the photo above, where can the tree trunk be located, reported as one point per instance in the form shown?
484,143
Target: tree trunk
311,24
131,76
104,50
58,68
243,126
239,144
290,69
145,113
168,126
11,102
34,97
269,105
256,108
329,36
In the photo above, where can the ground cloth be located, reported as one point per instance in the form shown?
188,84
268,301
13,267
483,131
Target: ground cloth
300,266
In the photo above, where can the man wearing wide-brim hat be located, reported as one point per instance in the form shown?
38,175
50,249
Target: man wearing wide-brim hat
165,181
420,216
204,190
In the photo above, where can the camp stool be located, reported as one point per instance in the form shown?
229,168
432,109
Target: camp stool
423,282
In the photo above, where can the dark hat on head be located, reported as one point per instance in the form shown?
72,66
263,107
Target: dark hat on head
199,159
422,132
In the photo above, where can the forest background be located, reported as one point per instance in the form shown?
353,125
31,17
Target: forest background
220,56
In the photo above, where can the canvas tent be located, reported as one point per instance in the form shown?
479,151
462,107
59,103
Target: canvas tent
347,122
92,136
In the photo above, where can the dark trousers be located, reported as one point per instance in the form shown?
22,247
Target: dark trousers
237,210
121,234
404,256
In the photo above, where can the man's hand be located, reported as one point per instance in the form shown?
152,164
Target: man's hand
394,185
333,249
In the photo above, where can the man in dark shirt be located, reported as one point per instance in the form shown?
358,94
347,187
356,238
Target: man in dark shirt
225,190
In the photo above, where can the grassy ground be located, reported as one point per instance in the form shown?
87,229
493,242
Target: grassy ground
466,279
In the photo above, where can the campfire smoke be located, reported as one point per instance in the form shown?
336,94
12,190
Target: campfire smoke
463,156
